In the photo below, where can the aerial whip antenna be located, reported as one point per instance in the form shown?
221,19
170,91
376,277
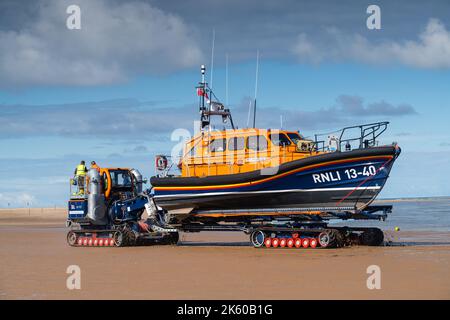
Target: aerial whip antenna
212,56
249,111
256,88
226,79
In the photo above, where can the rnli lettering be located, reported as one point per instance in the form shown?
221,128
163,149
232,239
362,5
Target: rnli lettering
349,174
326,177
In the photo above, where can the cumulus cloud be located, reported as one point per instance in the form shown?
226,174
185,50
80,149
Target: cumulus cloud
16,199
124,118
354,105
116,41
132,119
120,40
431,49
346,111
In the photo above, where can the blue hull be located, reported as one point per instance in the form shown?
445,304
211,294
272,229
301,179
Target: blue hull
334,180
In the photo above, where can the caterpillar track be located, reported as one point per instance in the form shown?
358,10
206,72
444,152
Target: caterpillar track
316,238
118,238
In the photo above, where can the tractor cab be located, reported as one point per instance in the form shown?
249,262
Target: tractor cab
92,196
118,183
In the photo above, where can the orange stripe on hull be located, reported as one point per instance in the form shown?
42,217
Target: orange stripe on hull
219,215
226,186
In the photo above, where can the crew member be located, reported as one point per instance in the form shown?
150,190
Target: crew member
95,166
80,176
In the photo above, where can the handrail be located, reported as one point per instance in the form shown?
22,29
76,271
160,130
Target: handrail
367,136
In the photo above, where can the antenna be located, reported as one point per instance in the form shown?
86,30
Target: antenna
212,56
249,111
226,79
256,88
202,68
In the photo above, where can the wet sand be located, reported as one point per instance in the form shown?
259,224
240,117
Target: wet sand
34,257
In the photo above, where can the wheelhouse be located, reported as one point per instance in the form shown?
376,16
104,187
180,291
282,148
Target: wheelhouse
242,150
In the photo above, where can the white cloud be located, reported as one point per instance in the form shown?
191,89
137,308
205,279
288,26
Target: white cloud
144,122
16,199
115,41
430,50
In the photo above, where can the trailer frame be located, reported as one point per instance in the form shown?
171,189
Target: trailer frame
316,228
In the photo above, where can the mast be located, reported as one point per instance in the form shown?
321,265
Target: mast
212,57
208,107
201,91
226,79
256,88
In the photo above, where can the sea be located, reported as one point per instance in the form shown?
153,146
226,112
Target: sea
418,214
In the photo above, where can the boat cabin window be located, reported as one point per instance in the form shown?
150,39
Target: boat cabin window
236,143
217,145
295,137
257,143
279,139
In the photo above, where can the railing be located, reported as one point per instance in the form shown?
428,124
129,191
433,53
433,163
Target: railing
78,187
364,137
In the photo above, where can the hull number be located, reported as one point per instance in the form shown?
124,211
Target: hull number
331,176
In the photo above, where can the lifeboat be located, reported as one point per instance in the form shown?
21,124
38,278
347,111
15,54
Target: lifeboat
254,171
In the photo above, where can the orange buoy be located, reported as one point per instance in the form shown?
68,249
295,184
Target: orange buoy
313,243
290,243
298,243
305,243
283,243
80,241
95,242
268,242
100,242
275,242
90,242
111,242
85,241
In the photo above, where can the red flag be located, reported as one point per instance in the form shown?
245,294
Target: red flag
201,92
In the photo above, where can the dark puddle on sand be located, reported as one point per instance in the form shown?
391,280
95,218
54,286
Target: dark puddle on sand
213,244
415,244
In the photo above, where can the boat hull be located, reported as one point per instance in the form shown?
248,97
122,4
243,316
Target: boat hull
332,180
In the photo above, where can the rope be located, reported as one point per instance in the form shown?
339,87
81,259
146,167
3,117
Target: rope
367,179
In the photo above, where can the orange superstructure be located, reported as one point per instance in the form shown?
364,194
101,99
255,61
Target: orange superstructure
242,150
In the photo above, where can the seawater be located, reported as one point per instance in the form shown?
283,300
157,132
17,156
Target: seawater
428,214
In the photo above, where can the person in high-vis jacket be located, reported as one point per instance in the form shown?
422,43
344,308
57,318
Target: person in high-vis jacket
80,176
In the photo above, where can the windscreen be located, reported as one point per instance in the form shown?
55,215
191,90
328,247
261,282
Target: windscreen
120,178
280,139
295,137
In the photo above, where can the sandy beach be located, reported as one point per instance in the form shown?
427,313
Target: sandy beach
34,257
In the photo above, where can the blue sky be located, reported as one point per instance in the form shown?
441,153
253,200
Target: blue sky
116,89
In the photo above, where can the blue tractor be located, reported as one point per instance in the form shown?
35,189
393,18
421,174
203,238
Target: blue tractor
109,207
